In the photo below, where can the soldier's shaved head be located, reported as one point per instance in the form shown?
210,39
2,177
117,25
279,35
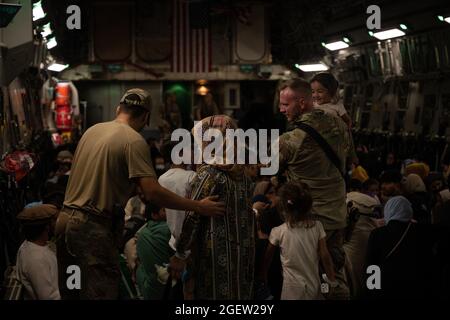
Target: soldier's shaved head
299,86
295,98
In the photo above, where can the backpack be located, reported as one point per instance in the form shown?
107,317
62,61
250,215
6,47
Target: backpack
14,289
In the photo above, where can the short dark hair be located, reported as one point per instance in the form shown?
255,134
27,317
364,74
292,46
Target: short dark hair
369,182
297,85
355,184
133,110
33,230
268,219
53,192
328,81
391,176
151,208
166,150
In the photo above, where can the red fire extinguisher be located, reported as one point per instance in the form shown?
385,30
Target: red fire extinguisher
63,107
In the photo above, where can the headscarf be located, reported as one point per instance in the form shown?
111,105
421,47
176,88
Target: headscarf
418,168
445,195
435,177
221,123
398,208
364,203
360,174
413,183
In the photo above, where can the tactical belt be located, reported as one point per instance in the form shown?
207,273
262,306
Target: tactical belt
104,218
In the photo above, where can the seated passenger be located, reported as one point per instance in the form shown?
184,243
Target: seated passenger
37,267
153,253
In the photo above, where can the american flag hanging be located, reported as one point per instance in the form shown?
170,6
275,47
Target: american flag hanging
191,39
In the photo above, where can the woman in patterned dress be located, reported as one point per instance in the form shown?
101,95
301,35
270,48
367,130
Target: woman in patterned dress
221,263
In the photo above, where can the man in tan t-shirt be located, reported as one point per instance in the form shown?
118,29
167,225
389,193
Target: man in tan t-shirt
111,158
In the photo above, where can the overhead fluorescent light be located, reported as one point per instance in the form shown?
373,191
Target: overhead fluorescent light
388,34
442,18
403,26
57,67
51,43
336,45
46,30
202,90
311,67
38,12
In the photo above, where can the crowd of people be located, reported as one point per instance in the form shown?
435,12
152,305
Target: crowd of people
224,231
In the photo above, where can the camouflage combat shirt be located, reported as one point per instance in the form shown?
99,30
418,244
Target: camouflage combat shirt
302,159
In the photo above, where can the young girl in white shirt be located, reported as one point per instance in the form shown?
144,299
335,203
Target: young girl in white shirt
302,245
324,88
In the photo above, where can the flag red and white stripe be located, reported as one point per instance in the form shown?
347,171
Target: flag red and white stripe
191,47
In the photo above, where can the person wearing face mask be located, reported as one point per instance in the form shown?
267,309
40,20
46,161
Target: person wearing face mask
64,158
160,166
61,167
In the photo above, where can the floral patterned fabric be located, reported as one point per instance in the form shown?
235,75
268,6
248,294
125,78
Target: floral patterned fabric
223,248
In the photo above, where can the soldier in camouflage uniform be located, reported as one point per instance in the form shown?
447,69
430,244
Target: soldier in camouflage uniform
302,159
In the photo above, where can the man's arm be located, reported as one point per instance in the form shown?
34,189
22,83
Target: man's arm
191,224
326,260
155,193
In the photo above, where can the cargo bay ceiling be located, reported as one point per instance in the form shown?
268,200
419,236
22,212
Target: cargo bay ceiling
295,28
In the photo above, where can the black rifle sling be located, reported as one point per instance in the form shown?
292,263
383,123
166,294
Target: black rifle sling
332,156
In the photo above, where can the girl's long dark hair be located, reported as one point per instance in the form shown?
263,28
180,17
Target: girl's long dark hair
295,204
328,81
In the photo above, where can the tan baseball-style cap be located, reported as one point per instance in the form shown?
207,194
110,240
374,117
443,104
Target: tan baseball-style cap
137,97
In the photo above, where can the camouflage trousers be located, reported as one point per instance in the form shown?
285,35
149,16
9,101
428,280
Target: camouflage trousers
335,242
91,243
